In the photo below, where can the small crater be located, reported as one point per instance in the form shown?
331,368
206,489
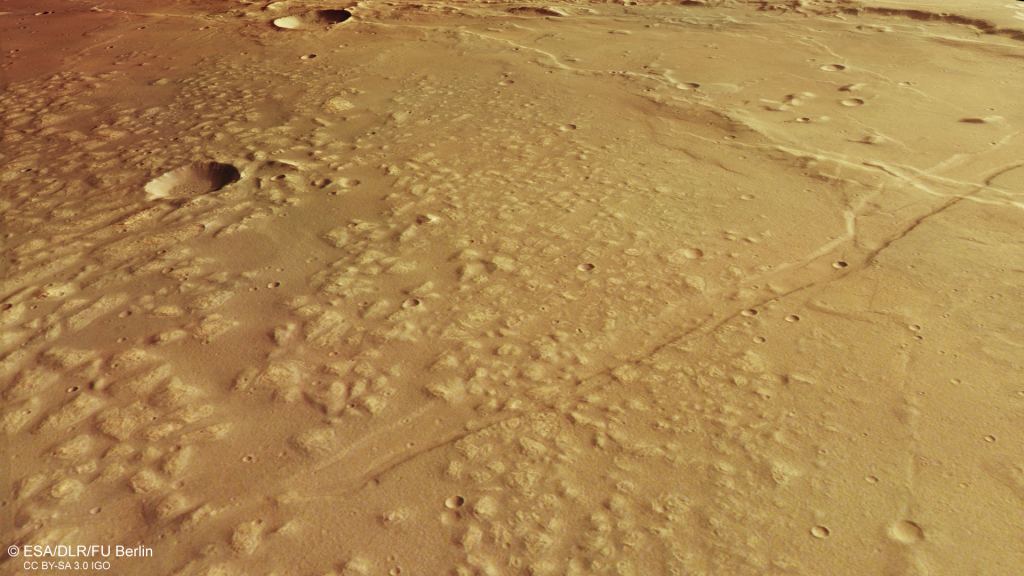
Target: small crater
840,264
454,503
981,120
792,318
288,23
192,180
537,11
820,532
586,267
906,532
332,16
833,67
693,253
852,102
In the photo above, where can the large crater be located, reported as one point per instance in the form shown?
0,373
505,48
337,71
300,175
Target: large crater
315,19
192,180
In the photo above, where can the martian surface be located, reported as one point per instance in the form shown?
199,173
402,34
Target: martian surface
454,287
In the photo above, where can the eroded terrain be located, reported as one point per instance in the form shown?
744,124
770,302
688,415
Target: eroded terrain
688,288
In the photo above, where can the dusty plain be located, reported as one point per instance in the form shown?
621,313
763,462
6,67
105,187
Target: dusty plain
714,288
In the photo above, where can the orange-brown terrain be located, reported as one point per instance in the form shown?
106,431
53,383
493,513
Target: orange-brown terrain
452,287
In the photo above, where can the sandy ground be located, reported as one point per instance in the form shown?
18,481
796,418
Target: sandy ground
666,288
